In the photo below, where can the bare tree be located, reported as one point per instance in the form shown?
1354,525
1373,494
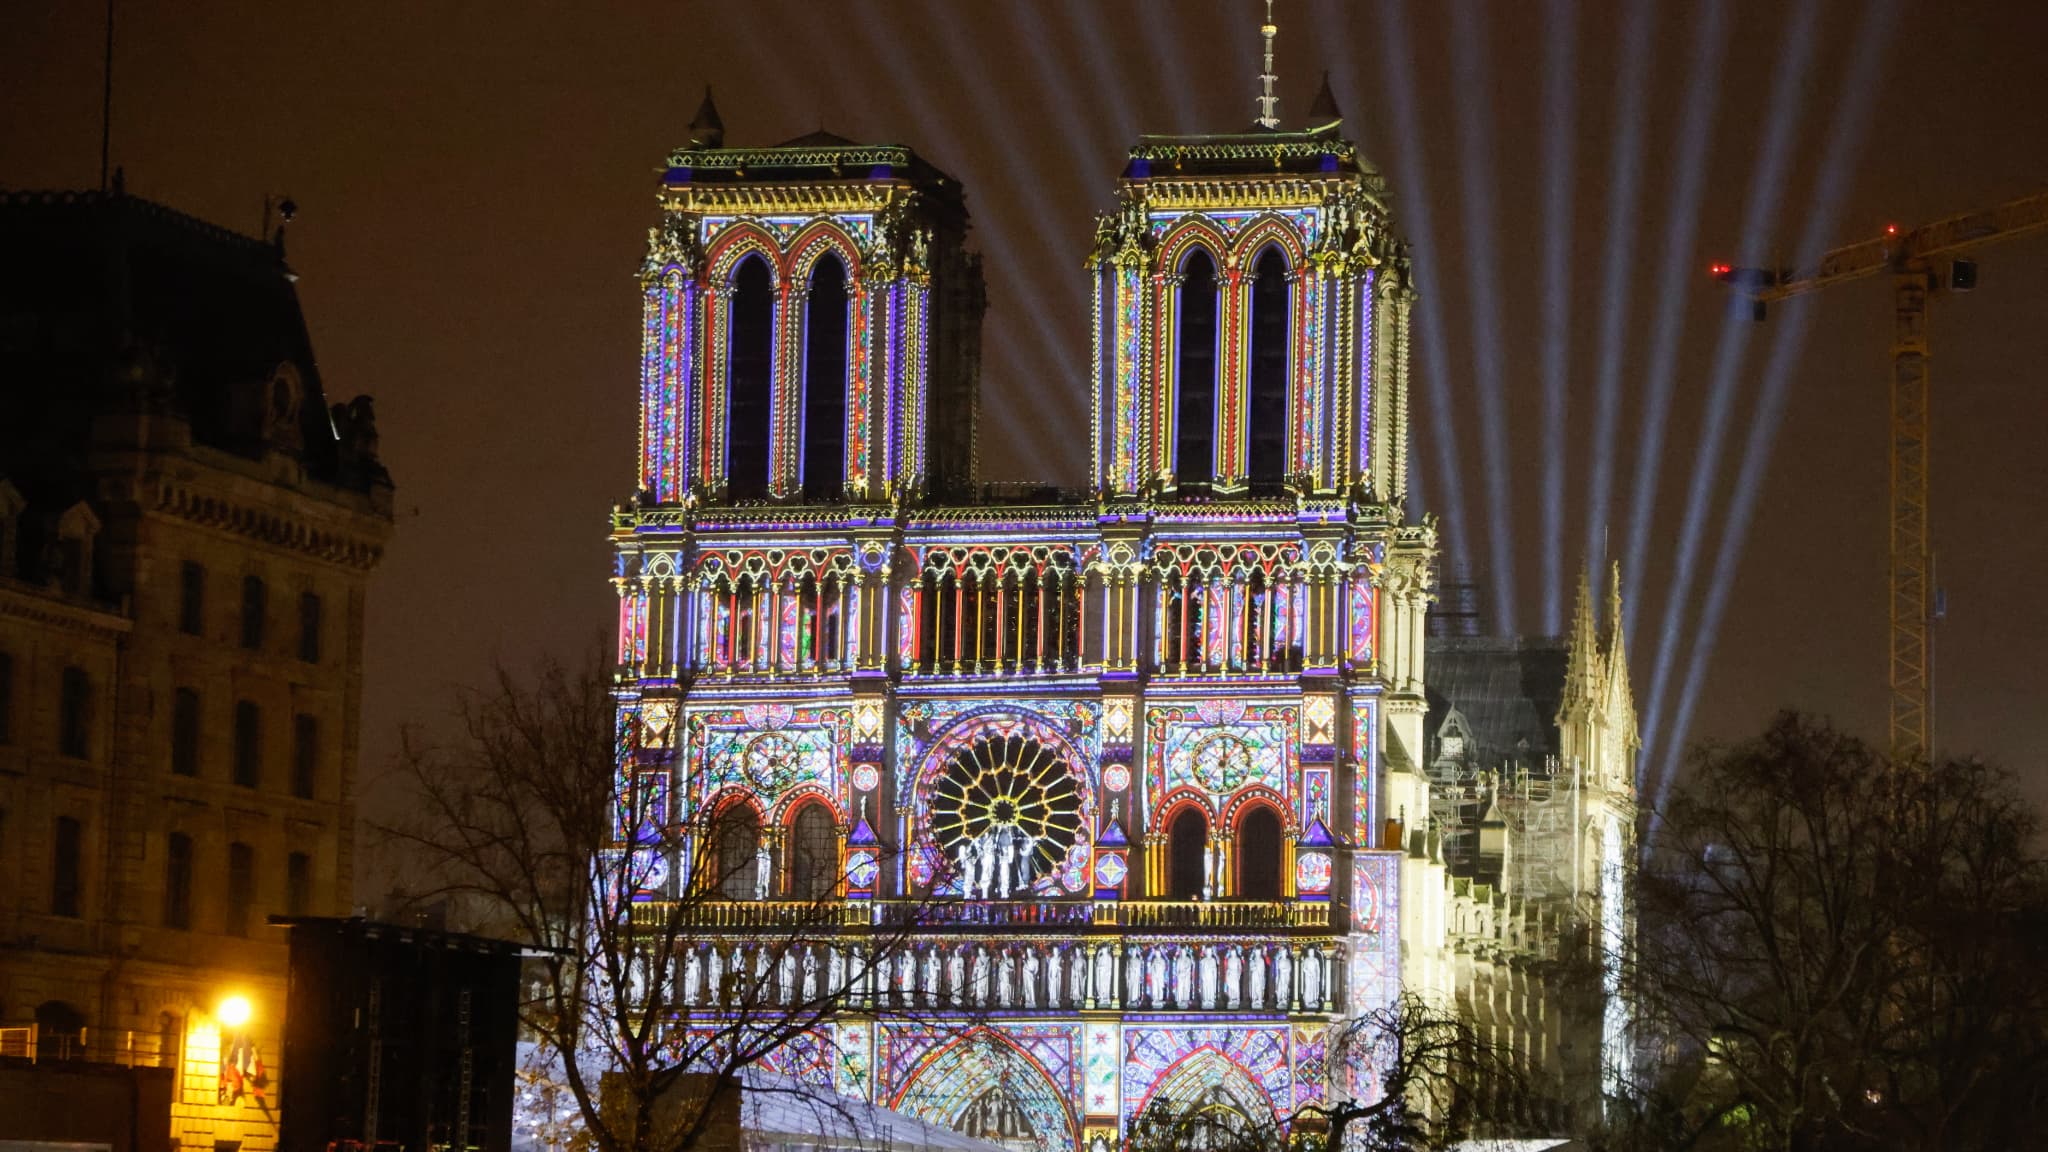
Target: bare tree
660,973
1841,952
1440,1083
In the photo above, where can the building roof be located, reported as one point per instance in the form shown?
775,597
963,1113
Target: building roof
104,291
1508,691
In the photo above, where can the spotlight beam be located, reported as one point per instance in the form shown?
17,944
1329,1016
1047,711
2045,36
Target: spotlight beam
1398,69
1623,182
1560,115
1857,99
1765,190
1475,151
1710,45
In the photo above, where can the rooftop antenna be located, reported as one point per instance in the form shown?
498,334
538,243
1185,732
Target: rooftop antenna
107,96
1269,104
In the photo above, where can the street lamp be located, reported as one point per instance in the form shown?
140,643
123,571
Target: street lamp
233,1011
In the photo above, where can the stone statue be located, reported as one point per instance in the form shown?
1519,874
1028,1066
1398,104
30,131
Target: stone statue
716,973
690,978
810,993
1283,977
1257,999
980,976
1155,991
1134,977
1208,977
1105,984
1079,968
1183,977
963,859
761,873
1312,979
1027,847
931,976
785,978
956,976
1031,975
1233,974
1003,989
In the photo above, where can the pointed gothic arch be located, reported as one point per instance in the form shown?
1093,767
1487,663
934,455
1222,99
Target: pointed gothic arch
978,1067
1268,367
827,322
1207,1081
1260,848
750,376
1197,364
813,850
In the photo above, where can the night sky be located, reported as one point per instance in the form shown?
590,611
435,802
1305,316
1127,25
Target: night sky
475,183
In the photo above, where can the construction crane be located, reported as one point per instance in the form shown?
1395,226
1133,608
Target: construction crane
1913,260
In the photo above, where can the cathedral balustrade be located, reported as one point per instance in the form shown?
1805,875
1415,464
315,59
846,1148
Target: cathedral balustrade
774,612
1243,915
1218,914
1016,975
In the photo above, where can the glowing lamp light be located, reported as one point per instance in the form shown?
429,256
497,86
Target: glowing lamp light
234,1011
1718,270
1891,229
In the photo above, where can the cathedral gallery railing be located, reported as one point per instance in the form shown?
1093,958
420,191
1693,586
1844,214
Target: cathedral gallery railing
1170,915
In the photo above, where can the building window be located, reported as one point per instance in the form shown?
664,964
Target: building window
255,602
74,714
178,882
192,599
248,743
750,375
309,627
305,754
6,698
1259,850
185,732
66,882
824,461
298,884
1267,424
814,863
1194,444
1187,847
241,887
739,853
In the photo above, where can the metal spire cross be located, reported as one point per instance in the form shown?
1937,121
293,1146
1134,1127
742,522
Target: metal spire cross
1269,104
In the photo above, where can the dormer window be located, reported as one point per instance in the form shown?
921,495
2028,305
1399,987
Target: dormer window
72,567
11,505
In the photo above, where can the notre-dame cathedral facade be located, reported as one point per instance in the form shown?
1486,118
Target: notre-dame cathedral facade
1163,747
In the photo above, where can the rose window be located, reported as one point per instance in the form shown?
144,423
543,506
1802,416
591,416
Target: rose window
1005,810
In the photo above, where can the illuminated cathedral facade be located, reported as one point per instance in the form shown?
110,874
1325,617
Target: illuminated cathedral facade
1148,758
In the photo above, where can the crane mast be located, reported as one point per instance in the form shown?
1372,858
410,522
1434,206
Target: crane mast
1912,259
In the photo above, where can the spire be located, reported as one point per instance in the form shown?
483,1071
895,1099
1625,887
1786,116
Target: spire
1584,650
1269,104
1324,113
1621,698
706,129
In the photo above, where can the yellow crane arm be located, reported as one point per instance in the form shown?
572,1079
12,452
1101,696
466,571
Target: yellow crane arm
1900,252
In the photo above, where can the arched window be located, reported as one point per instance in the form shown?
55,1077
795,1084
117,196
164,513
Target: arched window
1187,843
750,359
1267,423
1259,849
824,463
739,853
814,853
1194,447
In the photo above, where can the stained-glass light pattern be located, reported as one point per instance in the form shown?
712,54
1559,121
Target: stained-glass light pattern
1004,787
